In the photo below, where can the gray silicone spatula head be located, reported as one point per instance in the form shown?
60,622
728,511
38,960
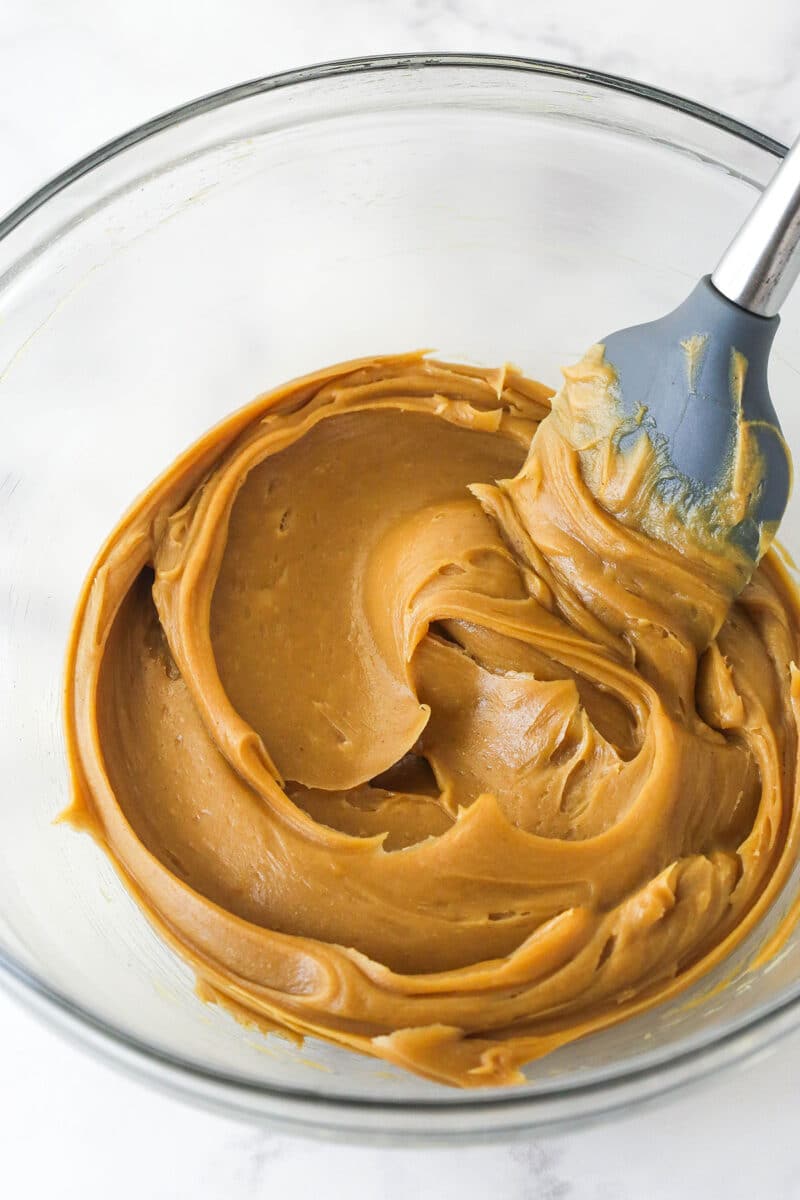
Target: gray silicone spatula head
696,380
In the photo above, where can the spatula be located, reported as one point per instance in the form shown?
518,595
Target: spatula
694,379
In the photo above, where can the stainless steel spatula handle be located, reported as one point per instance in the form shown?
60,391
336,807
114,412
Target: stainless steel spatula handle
762,263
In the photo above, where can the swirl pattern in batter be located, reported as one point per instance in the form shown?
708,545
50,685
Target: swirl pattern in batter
409,739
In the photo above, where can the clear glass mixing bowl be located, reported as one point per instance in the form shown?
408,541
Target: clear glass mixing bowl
491,208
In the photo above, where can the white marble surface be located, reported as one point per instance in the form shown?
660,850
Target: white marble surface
73,74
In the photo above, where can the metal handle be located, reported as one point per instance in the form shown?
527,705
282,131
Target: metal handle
762,263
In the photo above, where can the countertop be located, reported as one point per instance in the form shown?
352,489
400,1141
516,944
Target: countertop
73,75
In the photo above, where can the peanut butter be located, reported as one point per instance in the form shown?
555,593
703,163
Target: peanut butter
411,730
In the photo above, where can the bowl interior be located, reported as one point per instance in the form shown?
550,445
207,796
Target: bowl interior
492,214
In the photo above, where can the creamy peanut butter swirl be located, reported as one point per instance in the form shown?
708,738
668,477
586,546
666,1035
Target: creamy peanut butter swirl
408,739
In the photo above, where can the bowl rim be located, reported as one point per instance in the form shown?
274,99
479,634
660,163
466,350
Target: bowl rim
381,62
304,1109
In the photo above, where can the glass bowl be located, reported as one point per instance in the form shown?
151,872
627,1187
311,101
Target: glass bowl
495,209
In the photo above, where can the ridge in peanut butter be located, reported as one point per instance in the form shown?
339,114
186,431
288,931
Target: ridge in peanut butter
411,733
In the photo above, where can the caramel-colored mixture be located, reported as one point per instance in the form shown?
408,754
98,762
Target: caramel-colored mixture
409,738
